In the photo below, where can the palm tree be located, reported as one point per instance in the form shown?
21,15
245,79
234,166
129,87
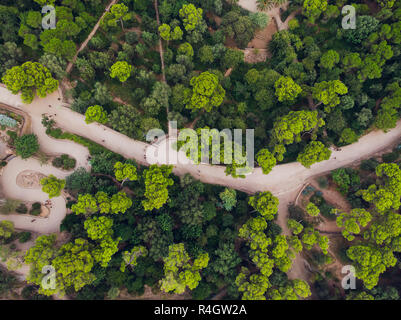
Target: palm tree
263,4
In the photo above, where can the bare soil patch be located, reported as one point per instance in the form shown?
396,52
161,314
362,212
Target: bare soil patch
29,179
263,37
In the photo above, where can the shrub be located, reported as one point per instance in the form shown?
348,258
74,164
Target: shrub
65,162
10,205
296,212
13,136
390,157
7,121
317,199
35,210
323,182
325,211
22,208
26,145
24,236
369,164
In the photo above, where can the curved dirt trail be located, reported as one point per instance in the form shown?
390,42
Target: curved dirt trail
283,181
12,190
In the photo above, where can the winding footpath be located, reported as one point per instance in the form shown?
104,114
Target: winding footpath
283,180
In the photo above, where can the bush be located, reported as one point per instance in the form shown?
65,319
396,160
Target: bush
296,212
325,210
369,164
10,205
390,157
323,182
93,147
65,162
35,210
31,293
202,291
317,199
24,236
26,145
22,208
13,136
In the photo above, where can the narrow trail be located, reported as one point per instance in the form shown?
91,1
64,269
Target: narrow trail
90,36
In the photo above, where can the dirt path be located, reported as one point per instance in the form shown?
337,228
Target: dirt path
283,181
93,32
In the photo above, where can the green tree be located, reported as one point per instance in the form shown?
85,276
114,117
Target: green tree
186,49
314,152
292,291
229,198
167,34
289,127
156,182
99,228
295,227
120,203
30,78
207,92
287,89
73,263
327,92
352,221
253,286
266,160
312,9
205,54
86,204
118,12
26,145
312,210
265,203
130,258
329,59
6,229
38,256
348,136
370,262
239,27
95,113
122,70
125,171
232,58
191,16
179,273
52,186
